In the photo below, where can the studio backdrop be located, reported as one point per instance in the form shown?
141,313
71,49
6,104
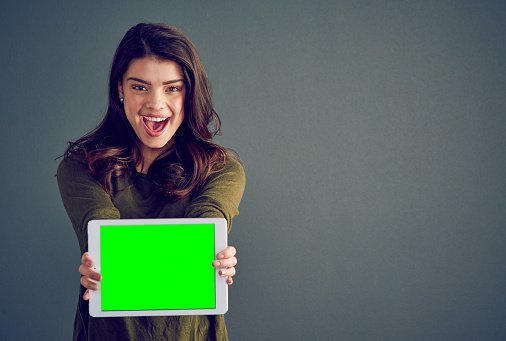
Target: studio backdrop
373,139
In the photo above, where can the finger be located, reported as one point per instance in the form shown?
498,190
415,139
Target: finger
87,272
86,260
86,295
88,284
229,272
225,263
230,251
230,280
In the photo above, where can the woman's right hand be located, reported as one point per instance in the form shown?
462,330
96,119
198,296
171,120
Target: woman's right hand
90,278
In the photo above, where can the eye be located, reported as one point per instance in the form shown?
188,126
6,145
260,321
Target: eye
173,88
139,87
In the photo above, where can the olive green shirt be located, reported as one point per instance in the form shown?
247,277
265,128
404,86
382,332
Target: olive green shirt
137,197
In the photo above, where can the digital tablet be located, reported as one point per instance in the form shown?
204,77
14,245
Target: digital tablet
155,267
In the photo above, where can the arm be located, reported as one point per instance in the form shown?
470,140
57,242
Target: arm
221,195
220,198
84,199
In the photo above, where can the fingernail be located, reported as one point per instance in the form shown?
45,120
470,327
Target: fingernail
222,273
220,255
217,264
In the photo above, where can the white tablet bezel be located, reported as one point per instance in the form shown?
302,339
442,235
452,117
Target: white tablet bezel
220,244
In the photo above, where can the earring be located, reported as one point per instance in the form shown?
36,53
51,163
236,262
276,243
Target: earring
121,99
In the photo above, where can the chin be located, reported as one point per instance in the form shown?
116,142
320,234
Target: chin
157,145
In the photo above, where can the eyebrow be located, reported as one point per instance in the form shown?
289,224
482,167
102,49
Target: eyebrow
148,83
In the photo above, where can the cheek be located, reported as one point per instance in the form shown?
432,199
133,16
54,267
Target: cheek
182,117
183,103
179,108
132,118
128,114
131,109
180,122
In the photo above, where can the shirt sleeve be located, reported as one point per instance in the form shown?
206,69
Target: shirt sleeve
83,198
221,195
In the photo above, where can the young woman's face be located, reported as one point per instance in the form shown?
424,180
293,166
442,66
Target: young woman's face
153,92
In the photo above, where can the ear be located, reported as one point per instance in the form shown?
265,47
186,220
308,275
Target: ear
120,90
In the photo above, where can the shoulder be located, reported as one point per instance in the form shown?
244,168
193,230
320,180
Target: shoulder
74,171
221,194
229,176
234,165
233,170
71,166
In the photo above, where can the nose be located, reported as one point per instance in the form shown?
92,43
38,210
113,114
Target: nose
156,100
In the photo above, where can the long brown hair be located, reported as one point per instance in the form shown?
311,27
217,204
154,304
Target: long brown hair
113,148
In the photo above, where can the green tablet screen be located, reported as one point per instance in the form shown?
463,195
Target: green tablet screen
151,267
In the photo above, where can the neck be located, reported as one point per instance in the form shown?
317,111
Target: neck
149,155
147,161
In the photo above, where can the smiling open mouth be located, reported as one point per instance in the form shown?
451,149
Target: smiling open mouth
154,125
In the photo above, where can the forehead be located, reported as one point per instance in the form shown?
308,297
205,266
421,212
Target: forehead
154,70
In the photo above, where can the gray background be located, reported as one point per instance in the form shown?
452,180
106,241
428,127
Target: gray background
373,138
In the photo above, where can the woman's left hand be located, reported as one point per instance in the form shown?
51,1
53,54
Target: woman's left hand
226,261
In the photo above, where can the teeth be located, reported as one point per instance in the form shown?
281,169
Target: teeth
155,119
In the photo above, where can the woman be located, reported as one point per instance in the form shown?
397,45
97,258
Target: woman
152,156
